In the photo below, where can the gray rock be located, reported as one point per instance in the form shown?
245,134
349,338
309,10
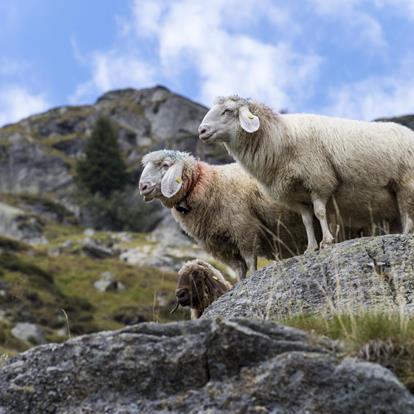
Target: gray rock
89,232
67,245
107,283
197,367
92,249
375,273
25,167
28,332
17,223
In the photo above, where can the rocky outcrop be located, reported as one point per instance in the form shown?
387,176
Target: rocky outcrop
27,167
34,153
197,367
373,273
19,224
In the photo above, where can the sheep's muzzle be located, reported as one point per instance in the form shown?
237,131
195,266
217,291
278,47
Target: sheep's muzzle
183,297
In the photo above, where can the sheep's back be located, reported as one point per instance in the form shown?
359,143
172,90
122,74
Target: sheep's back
356,149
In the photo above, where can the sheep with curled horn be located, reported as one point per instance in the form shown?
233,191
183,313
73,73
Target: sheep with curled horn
310,162
199,285
223,208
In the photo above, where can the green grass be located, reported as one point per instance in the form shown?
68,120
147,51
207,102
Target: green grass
9,244
385,338
75,275
13,263
41,287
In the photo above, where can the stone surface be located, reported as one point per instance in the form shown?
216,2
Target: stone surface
197,367
94,249
17,223
27,167
107,283
28,332
375,273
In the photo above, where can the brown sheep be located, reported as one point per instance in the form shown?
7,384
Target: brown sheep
223,208
199,285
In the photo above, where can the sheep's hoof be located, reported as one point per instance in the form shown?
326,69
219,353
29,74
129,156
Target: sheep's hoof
312,248
326,243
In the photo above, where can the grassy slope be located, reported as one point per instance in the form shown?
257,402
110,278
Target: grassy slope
40,285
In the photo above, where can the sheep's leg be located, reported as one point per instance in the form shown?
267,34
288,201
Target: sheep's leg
252,263
242,269
307,219
405,199
319,207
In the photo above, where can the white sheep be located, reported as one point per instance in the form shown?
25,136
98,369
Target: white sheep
223,208
304,160
199,284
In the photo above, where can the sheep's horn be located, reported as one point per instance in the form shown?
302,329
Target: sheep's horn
175,307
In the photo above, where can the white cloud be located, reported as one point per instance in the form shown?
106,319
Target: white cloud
214,41
404,8
112,70
220,45
375,97
360,24
16,103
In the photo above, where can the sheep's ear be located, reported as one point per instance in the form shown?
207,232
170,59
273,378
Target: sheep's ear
249,122
172,181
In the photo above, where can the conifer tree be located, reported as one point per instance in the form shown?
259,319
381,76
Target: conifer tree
102,170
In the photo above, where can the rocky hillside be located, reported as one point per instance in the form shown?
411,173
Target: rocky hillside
59,277
38,154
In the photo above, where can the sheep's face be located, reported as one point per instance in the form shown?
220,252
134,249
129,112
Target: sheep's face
191,287
225,120
161,177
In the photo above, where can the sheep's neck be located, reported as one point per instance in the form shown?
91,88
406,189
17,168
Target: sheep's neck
183,206
259,152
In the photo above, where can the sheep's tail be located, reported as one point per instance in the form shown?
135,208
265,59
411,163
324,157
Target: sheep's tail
175,307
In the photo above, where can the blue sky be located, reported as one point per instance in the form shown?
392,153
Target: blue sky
352,58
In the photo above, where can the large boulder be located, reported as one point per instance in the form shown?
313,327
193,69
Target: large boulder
27,167
372,273
197,367
17,223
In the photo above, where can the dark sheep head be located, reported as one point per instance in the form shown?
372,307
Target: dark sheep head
199,284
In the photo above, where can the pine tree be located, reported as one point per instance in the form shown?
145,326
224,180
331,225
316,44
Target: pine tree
103,169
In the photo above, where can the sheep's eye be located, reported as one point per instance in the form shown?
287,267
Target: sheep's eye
226,111
165,165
